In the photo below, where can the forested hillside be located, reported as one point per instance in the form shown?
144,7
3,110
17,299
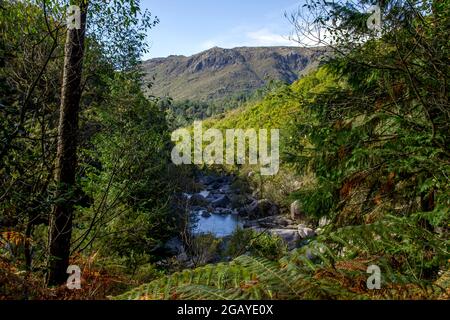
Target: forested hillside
218,80
367,135
88,180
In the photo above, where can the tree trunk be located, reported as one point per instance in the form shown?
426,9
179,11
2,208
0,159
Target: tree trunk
60,226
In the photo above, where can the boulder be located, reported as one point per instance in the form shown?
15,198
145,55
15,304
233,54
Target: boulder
225,188
289,236
174,246
211,197
252,208
262,208
323,222
234,212
296,211
238,200
223,211
251,224
242,211
182,257
205,214
221,179
274,221
220,201
214,186
249,199
204,193
305,232
319,231
206,180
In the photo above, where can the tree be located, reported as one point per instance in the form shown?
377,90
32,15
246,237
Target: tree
380,139
44,164
60,230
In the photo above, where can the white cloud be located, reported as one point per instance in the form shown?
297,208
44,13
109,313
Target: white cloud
265,37
251,38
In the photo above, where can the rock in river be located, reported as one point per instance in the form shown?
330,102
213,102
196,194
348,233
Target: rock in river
205,214
220,201
305,232
197,200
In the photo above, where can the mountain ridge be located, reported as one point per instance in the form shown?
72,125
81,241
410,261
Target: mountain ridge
217,73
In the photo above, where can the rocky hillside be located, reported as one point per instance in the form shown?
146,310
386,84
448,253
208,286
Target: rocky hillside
216,73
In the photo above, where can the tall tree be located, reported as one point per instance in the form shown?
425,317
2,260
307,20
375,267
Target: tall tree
60,230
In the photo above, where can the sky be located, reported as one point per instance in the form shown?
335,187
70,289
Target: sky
187,27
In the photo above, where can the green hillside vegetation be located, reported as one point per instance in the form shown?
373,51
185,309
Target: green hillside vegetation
87,179
280,107
386,228
371,130
217,80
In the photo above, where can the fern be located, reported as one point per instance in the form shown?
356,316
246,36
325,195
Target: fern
331,267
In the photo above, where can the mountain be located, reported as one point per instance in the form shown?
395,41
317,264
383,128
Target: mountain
218,73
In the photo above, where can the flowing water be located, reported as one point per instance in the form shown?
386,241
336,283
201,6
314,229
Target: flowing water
215,214
218,224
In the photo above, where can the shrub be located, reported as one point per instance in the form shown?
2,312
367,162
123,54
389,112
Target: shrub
260,244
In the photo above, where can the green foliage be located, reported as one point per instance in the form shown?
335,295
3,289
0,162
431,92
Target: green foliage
28,102
182,113
123,185
258,244
245,277
126,174
120,28
372,128
331,267
380,135
203,248
367,135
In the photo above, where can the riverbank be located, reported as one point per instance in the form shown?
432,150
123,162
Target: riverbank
222,206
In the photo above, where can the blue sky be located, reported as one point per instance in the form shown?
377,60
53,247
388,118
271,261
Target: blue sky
190,26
